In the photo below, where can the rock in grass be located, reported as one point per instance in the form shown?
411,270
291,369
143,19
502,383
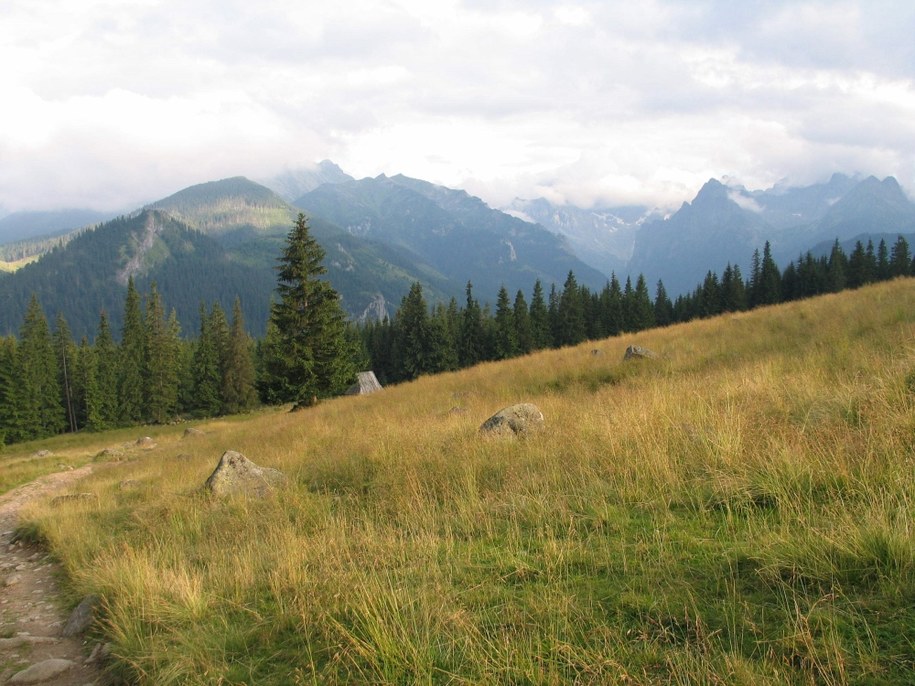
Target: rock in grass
42,672
146,443
192,432
235,473
516,420
638,352
82,616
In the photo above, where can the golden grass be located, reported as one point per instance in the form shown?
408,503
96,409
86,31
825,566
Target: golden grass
737,511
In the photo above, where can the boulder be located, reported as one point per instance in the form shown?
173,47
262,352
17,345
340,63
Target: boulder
638,352
82,616
42,671
516,420
235,473
146,443
192,432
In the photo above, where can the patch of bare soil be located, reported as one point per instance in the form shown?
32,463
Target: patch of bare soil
32,650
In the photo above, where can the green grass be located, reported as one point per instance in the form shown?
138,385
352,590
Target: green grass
737,511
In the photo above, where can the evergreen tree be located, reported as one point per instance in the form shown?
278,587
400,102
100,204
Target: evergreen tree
471,349
733,290
161,372
238,393
900,259
612,307
309,358
9,396
836,269
87,395
770,279
522,321
858,266
540,319
883,261
205,369
132,354
642,313
663,308
411,324
506,338
40,411
570,314
65,352
107,373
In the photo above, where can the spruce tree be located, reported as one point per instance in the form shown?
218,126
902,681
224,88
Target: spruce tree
570,328
506,339
161,373
132,360
642,314
522,322
900,259
87,395
40,411
9,397
65,352
472,346
238,378
310,358
540,319
205,398
663,308
107,374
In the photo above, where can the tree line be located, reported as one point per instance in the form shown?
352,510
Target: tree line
422,340
50,384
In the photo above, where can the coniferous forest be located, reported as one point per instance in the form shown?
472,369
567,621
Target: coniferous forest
151,371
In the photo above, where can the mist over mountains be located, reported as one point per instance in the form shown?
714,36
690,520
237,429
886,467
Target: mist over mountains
218,240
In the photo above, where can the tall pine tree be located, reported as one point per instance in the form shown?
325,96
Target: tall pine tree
309,358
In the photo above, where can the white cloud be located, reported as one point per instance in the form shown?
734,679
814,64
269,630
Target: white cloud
588,102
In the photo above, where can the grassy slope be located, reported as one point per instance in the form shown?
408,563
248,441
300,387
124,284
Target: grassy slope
740,511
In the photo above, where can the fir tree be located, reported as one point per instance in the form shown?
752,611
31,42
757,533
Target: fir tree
88,397
65,352
506,339
132,357
38,391
570,328
900,259
663,308
310,359
540,319
642,314
238,378
521,319
9,396
161,372
205,370
472,344
107,373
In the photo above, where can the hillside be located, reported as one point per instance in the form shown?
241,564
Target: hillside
737,510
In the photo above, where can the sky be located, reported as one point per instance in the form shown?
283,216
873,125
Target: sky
109,104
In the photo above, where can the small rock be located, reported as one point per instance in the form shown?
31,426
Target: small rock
128,484
235,473
192,432
638,352
146,443
596,353
42,671
516,420
82,617
42,453
100,653
110,454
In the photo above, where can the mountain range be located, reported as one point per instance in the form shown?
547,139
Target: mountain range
216,240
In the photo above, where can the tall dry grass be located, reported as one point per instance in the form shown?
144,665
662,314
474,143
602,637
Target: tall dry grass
738,510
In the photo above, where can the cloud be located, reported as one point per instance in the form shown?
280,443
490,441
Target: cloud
581,101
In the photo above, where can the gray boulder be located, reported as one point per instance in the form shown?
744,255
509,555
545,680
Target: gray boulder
42,671
638,352
516,420
192,432
82,616
235,473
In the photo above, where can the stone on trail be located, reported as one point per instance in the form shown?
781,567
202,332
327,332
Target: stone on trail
235,473
82,616
42,672
516,420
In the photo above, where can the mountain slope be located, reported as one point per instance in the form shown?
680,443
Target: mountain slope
453,234
21,226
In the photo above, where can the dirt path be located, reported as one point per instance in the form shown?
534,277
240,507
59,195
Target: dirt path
31,619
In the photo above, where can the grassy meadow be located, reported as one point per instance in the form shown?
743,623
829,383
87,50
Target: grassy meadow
740,510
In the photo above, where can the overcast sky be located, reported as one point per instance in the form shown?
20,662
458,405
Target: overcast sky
111,103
